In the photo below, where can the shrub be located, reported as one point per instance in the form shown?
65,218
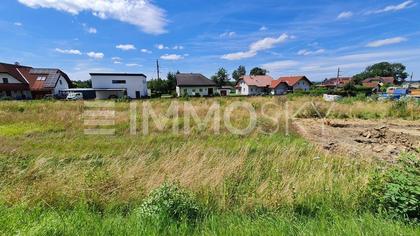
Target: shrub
397,190
170,201
399,109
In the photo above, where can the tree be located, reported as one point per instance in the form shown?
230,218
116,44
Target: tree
171,82
82,84
383,69
238,73
258,71
221,77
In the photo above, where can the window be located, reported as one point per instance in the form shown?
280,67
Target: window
8,93
185,91
61,82
41,78
118,81
201,90
5,80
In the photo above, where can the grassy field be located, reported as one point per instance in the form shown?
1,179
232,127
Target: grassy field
54,179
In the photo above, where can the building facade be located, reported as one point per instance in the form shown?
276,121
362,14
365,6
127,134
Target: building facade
194,84
116,85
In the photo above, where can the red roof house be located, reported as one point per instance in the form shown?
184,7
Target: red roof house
296,83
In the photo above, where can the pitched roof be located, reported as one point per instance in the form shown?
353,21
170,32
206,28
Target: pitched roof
292,80
193,79
370,84
17,71
385,80
258,80
336,81
29,76
276,83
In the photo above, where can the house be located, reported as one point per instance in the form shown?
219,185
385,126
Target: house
297,83
116,85
278,87
23,82
336,82
13,83
254,85
194,84
380,80
47,82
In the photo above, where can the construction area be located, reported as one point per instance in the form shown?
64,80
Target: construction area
358,138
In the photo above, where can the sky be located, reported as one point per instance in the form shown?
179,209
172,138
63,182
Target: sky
286,37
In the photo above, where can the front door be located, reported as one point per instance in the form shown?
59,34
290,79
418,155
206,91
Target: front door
137,94
210,91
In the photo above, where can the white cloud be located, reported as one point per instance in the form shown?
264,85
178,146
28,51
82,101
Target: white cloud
393,8
68,51
280,65
142,13
161,46
263,28
172,57
178,47
227,35
345,15
92,30
143,50
133,65
95,55
255,47
126,47
18,24
305,52
116,60
384,42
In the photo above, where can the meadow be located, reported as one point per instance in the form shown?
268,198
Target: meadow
55,179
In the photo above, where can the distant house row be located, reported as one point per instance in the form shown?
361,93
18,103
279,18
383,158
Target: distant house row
373,83
198,85
264,84
23,82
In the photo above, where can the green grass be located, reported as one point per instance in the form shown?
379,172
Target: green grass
82,221
56,180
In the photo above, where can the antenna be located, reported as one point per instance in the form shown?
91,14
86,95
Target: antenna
157,69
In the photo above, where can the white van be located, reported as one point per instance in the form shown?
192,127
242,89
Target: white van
74,96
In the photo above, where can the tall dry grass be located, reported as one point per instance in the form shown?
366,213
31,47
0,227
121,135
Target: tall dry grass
46,159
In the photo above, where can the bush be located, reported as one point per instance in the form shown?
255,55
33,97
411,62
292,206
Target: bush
397,190
5,99
170,201
399,109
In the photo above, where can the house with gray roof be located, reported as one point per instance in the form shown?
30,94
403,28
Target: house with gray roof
194,84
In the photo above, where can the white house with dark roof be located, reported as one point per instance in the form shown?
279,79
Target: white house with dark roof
194,85
116,85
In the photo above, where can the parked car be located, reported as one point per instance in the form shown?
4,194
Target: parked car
74,96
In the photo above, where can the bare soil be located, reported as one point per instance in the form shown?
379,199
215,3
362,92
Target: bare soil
382,139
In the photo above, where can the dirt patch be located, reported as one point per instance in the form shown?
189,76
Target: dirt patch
382,139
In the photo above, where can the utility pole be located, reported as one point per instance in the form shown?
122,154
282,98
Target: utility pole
157,69
338,78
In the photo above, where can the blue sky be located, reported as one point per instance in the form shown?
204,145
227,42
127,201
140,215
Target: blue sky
303,37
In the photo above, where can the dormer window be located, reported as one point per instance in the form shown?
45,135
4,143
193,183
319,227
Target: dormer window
5,80
41,78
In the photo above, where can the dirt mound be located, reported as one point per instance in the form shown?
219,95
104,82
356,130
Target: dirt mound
362,138
382,138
